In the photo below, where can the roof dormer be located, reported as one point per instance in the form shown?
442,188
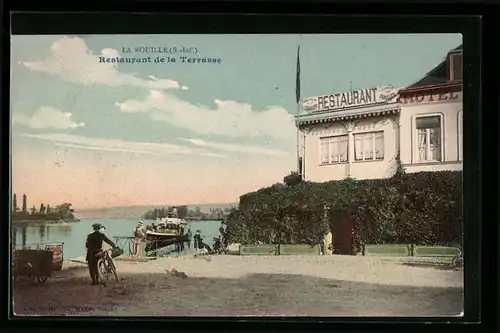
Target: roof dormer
455,65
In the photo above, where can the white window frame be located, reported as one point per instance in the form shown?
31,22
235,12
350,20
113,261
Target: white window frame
330,162
452,67
460,133
373,134
416,154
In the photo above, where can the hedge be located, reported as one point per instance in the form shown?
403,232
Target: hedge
419,208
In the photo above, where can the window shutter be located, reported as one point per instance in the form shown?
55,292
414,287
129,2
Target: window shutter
456,66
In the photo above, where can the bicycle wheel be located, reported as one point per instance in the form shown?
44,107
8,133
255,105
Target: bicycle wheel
457,262
112,269
103,269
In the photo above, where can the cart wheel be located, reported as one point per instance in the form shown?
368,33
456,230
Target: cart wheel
31,274
42,279
32,278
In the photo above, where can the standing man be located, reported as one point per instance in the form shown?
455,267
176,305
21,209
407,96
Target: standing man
197,240
94,246
190,237
181,244
222,237
139,236
199,244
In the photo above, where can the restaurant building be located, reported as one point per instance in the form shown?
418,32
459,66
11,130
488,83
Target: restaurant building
359,134
350,134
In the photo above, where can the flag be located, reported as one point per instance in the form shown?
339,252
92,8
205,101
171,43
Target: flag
297,80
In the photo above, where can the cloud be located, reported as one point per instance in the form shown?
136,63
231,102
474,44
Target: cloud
230,147
71,59
47,117
116,145
228,118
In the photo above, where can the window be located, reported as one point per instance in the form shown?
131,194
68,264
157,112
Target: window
334,149
429,138
369,146
460,136
455,66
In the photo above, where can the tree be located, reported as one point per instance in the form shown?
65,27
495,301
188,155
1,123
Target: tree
65,211
182,211
237,230
14,203
292,179
400,172
25,204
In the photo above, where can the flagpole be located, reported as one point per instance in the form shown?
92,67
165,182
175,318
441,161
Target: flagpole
297,95
298,142
303,158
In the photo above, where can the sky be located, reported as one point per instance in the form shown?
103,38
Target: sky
102,134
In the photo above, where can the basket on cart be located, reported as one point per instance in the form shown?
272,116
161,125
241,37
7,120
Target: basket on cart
34,264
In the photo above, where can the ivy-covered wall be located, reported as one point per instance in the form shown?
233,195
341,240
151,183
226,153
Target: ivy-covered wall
419,208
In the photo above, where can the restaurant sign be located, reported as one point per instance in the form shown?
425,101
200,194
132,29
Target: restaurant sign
356,98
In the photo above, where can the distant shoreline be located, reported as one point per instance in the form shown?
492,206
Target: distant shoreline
138,212
142,207
42,222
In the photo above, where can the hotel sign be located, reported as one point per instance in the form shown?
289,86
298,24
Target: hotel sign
357,98
419,98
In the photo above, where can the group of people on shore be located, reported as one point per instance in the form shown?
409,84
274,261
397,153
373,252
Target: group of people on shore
195,241
220,242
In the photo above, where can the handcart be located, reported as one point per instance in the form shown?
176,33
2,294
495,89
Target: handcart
33,264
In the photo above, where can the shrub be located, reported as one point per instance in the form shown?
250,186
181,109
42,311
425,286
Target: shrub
419,208
292,179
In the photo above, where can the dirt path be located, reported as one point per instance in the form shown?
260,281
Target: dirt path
236,285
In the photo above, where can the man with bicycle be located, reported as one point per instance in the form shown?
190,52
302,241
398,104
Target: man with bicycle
94,246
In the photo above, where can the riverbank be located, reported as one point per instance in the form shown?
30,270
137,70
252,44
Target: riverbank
74,235
248,285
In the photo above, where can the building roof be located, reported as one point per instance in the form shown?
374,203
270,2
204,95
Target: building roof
329,117
438,75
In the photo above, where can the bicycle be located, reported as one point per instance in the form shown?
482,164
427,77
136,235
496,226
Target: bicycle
219,247
106,266
458,260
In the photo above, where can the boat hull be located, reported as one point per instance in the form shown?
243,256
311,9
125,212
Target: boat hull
156,241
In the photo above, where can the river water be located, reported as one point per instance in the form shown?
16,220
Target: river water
74,234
